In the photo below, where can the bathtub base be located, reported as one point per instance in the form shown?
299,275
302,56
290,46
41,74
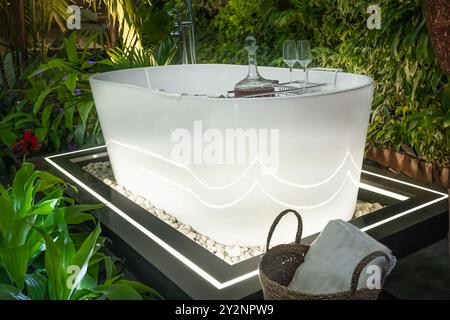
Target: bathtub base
154,252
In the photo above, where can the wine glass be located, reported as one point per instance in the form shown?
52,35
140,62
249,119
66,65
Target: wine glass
290,54
304,55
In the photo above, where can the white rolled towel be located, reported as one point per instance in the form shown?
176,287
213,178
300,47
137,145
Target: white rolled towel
329,264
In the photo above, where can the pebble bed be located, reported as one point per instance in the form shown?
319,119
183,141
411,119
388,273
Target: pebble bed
229,253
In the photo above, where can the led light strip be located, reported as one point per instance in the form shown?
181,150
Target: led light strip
387,193
202,273
401,214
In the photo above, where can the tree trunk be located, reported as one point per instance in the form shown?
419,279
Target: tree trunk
5,85
22,39
438,25
112,34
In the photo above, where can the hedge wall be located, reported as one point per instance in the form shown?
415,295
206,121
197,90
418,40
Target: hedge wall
412,94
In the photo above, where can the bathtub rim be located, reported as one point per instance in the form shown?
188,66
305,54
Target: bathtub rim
369,82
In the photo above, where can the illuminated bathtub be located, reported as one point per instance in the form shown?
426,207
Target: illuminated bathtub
148,114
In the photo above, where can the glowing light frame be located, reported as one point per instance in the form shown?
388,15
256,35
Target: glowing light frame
194,267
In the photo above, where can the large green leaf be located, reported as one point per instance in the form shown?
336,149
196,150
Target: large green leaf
84,109
41,98
118,292
57,276
11,293
15,261
46,114
75,214
84,254
141,288
36,285
19,192
6,212
71,82
79,133
70,48
48,203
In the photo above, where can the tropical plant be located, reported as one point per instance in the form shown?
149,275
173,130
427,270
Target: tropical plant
42,253
55,100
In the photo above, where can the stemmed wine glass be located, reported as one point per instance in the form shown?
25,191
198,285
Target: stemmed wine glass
290,54
304,55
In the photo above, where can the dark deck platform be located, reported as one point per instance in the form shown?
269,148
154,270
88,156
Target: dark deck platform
415,216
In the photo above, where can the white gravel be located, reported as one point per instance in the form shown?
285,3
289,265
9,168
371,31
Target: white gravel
231,254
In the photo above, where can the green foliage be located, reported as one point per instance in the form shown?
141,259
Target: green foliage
55,100
42,256
60,98
135,58
399,57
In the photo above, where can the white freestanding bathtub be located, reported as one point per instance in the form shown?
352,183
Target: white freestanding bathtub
165,128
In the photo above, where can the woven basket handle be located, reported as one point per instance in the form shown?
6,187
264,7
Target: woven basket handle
363,263
298,235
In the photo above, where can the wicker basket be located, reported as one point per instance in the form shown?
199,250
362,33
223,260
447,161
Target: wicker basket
278,265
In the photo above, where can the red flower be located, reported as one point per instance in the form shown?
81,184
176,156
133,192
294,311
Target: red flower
26,145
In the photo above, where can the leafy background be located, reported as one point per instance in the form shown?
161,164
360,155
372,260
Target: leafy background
412,94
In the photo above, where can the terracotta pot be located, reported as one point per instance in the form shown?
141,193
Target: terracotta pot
411,166
445,177
438,25
427,171
400,159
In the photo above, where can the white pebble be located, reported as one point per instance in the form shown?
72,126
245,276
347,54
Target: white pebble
245,256
212,249
185,228
377,206
220,248
220,255
234,251
191,235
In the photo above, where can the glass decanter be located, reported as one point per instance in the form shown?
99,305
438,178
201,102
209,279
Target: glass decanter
253,85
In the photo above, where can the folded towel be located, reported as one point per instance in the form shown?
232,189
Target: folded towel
329,264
